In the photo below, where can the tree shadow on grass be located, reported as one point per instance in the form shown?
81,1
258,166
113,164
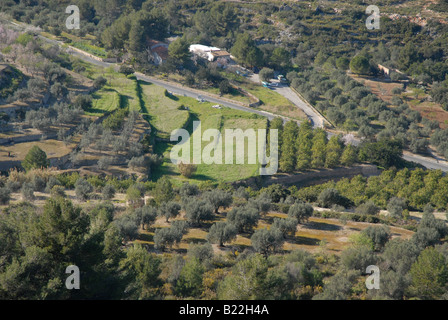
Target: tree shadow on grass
145,237
195,241
176,250
322,226
304,241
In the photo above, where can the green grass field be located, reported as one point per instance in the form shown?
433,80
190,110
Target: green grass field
162,111
211,118
274,102
104,100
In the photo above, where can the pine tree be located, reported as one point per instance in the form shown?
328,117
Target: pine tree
334,149
318,151
349,156
36,158
304,145
276,124
288,151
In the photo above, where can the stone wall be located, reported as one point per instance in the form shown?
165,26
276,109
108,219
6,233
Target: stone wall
309,178
58,162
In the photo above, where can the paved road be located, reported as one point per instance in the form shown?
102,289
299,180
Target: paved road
316,119
188,92
427,162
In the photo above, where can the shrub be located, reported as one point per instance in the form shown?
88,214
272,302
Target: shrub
104,162
108,191
27,192
127,70
83,101
225,87
99,82
83,189
379,235
358,258
187,169
57,191
266,74
222,232
331,196
368,208
188,189
5,195
300,211
267,241
128,227
36,158
38,183
396,206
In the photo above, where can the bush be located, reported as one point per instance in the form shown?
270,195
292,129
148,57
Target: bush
331,196
57,191
368,208
378,234
187,169
99,82
83,189
188,189
128,227
27,192
266,74
396,206
137,162
38,183
5,195
300,211
358,258
36,158
267,241
83,101
108,191
104,162
225,87
127,70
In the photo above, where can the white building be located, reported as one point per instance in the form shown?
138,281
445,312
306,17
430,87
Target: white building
209,53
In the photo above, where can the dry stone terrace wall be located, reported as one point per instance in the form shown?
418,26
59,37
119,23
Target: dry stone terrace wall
308,178
59,162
